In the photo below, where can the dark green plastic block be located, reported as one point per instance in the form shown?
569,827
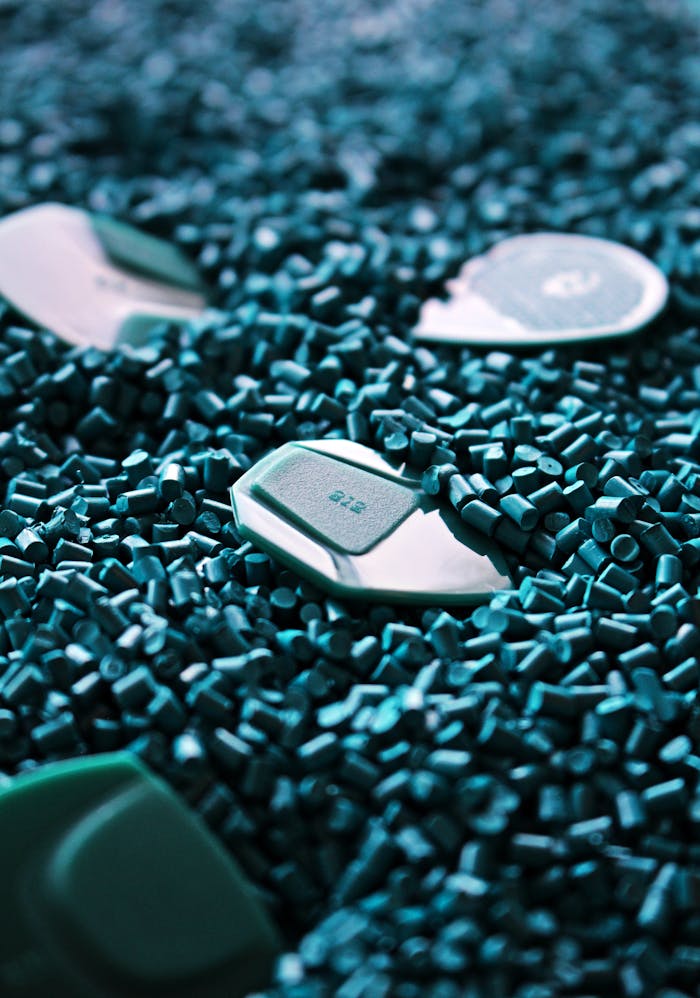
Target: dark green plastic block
114,888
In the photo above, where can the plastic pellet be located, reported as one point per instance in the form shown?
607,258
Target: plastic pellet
16,568
656,909
630,812
480,516
526,480
684,676
134,689
171,483
658,541
137,466
11,523
522,512
547,498
669,571
666,797
183,509
138,501
579,497
620,579
624,548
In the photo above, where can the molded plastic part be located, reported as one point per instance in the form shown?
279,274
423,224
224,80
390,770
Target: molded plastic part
114,888
546,288
92,280
341,515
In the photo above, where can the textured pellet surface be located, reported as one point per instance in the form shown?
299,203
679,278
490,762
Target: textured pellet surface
495,802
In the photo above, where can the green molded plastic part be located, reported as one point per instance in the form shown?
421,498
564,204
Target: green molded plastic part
113,888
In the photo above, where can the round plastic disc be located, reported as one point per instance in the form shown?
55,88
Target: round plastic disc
92,280
546,288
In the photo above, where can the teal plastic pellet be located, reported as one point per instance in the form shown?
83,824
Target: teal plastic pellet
685,642
11,523
624,548
666,797
16,568
593,555
22,685
544,545
619,578
522,512
572,644
675,751
547,498
657,540
217,472
578,496
533,850
526,455
171,483
526,480
655,912
480,516
614,715
483,489
554,701
26,505
96,424
137,466
630,813
683,677
60,734
135,689
570,537
673,596
567,621
495,462
583,472
549,467
669,570
12,598
603,530
66,550
511,536
183,509
138,501
459,491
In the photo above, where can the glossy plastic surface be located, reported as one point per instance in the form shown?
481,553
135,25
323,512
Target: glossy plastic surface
113,888
92,280
546,288
418,553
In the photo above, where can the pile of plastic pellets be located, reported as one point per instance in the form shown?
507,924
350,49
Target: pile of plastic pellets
481,802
